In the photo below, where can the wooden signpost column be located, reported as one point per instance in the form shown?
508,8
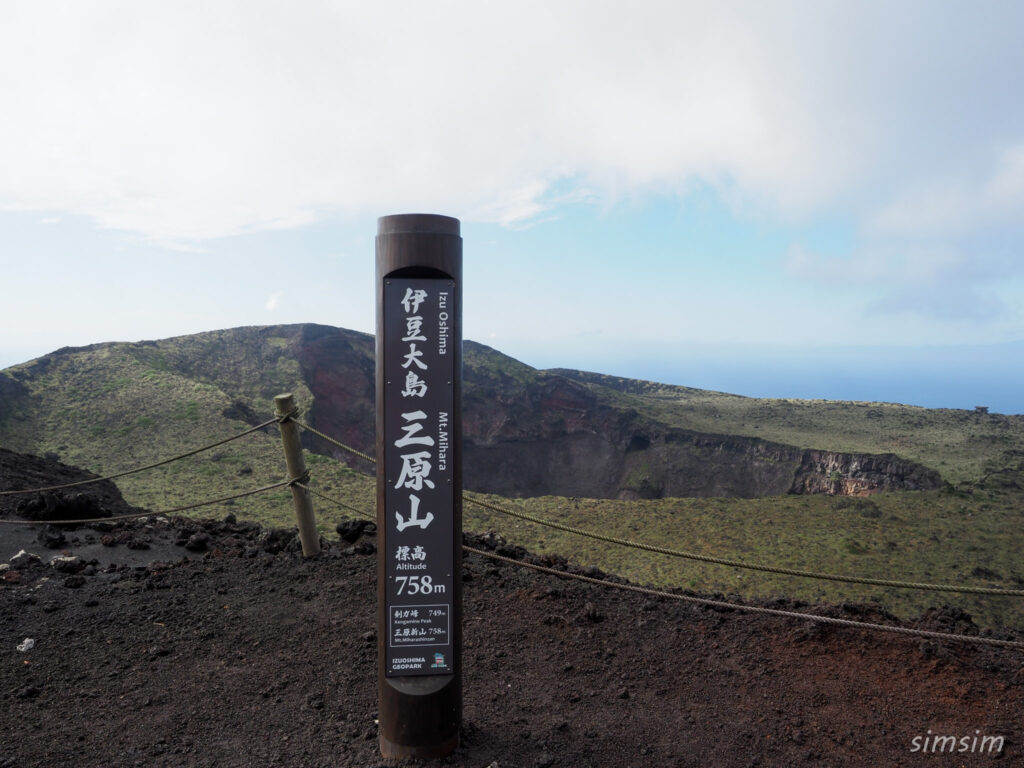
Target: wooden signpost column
419,484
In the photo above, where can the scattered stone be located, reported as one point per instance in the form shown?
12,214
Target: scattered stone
26,645
351,530
66,564
12,577
25,560
491,540
51,538
276,540
365,548
74,582
197,542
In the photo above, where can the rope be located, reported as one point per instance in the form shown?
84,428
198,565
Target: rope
332,441
337,501
270,487
290,416
471,497
749,566
717,603
148,466
757,609
298,481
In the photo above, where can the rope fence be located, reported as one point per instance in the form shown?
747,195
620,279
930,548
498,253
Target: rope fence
171,460
332,441
176,510
742,564
696,557
302,482
722,604
716,604
338,502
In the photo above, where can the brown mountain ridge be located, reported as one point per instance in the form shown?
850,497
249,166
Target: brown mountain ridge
527,432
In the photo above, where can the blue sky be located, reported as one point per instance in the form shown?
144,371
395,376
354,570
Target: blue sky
779,199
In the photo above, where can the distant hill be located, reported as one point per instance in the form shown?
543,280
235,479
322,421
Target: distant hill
760,480
527,432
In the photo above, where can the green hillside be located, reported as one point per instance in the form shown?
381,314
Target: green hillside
961,445
112,407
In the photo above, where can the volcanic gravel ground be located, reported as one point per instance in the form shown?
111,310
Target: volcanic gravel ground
250,655
18,470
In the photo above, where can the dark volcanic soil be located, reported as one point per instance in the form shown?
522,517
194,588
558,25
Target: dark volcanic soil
249,655
17,470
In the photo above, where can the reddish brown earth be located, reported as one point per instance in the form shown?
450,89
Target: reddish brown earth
249,655
535,433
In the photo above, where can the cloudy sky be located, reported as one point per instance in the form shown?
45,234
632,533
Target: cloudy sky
798,190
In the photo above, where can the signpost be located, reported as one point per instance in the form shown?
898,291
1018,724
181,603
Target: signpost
419,484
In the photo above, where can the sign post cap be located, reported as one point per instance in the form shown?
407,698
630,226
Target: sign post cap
418,223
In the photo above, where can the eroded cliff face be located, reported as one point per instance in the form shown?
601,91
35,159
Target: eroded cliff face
339,370
532,433
860,474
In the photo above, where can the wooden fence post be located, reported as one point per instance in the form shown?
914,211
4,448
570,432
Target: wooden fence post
285,405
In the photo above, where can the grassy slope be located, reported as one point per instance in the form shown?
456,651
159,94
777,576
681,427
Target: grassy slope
932,537
118,406
961,445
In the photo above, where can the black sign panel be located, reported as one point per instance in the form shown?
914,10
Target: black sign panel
418,537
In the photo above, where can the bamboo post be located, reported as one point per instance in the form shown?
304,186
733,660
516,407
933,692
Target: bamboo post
285,405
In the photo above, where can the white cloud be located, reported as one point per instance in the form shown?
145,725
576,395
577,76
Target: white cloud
858,269
936,281
1005,188
941,302
273,301
958,203
193,120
